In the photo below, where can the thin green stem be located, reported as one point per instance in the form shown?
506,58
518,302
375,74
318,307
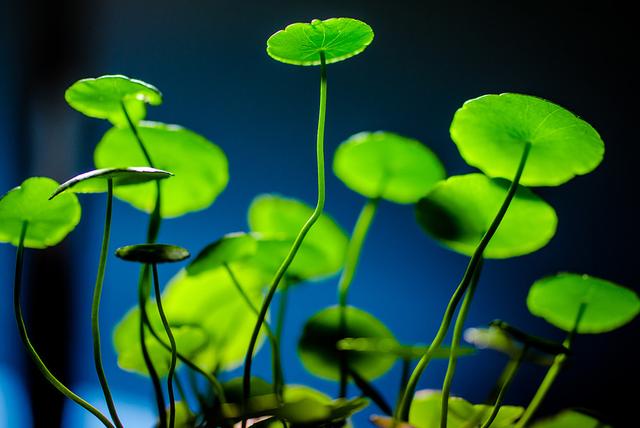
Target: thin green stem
551,375
508,379
143,295
455,342
282,308
246,380
278,378
95,308
352,258
153,229
22,329
174,348
402,412
508,368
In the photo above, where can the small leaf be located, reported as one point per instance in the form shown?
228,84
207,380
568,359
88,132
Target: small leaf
278,221
387,165
539,343
126,339
318,351
152,253
96,181
230,248
233,388
558,299
570,419
200,167
49,222
301,43
392,347
426,410
498,340
491,132
102,98
459,210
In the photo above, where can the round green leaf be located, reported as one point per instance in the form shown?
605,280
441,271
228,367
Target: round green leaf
152,253
49,222
200,167
491,132
230,248
103,97
278,221
318,349
387,165
126,340
392,347
458,211
558,299
96,181
301,43
570,419
426,410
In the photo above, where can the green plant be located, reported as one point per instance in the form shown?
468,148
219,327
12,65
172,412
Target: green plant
214,314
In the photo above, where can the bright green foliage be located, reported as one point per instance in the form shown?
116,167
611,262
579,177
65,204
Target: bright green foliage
200,167
278,220
558,298
426,410
152,253
318,344
233,388
392,347
233,247
49,222
491,132
102,98
190,339
570,419
387,165
458,211
301,43
210,302
96,181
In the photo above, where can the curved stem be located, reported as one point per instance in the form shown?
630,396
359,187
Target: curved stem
278,378
95,309
282,308
551,375
143,295
174,348
22,329
354,249
508,379
246,381
455,342
405,404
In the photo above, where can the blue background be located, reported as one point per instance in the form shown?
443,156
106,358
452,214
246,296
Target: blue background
208,59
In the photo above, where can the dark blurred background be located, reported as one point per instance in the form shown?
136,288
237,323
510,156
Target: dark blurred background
208,58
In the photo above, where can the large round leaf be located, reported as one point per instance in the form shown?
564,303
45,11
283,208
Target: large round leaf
491,132
558,299
570,419
96,181
200,167
301,43
103,97
278,220
426,411
318,345
387,165
211,302
49,222
458,211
